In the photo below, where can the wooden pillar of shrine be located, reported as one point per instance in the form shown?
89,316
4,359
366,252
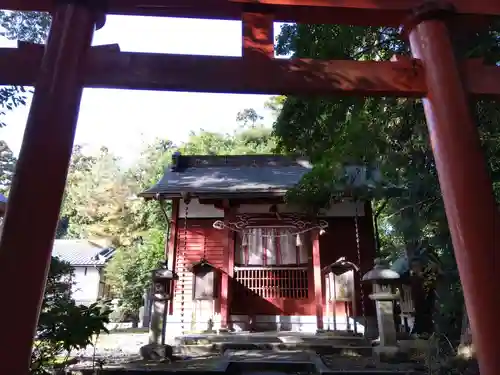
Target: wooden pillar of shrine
171,251
465,184
40,178
227,275
317,279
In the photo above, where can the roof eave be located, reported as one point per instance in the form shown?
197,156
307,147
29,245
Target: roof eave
87,265
218,194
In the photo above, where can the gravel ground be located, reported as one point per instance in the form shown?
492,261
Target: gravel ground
122,349
119,344
113,349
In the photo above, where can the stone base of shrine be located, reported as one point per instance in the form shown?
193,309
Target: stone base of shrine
264,323
292,323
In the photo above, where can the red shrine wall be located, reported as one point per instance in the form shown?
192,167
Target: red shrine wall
202,240
199,240
340,241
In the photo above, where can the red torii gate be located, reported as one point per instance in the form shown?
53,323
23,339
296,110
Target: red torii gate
68,63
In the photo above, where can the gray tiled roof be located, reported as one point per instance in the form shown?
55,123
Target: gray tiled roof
249,174
81,252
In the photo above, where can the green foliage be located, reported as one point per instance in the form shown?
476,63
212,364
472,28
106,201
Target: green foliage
248,117
101,201
63,326
7,167
247,140
129,272
275,104
250,138
25,26
30,27
388,132
10,98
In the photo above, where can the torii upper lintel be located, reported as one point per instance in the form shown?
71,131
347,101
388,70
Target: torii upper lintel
347,12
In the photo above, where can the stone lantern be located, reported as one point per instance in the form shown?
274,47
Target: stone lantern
162,294
163,280
384,294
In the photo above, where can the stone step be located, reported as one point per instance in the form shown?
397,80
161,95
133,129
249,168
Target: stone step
281,338
320,348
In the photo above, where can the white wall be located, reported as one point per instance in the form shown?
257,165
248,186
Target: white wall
197,210
86,287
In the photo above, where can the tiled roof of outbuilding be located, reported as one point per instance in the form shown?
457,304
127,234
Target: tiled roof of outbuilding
81,252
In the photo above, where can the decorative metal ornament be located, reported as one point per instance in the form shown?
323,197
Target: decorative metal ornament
299,224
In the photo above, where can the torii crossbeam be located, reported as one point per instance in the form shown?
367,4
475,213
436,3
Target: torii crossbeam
68,63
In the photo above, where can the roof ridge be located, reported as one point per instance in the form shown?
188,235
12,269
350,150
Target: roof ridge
183,162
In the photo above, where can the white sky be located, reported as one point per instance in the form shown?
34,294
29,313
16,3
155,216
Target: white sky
125,120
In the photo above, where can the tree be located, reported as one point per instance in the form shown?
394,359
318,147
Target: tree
257,139
129,272
388,132
99,200
248,116
25,26
63,326
30,27
275,104
7,167
10,98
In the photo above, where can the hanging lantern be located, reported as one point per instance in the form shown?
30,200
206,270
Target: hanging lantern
244,239
269,238
298,240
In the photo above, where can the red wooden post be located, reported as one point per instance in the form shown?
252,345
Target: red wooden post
172,243
368,254
225,303
318,290
465,184
39,181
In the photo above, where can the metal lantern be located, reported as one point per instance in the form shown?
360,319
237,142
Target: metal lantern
339,285
163,280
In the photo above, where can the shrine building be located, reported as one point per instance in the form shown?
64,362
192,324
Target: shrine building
240,251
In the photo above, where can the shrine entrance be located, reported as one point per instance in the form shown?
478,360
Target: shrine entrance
61,69
273,281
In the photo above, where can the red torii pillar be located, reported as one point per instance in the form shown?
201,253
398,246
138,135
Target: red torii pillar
40,177
465,184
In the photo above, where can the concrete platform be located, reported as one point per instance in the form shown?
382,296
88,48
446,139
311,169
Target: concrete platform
273,337
322,343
